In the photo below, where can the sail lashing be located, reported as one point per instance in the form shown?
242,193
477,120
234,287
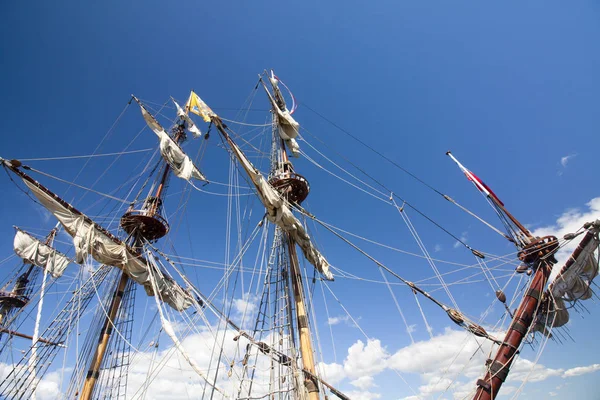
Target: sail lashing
183,167
35,252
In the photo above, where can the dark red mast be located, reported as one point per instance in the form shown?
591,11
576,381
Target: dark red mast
537,255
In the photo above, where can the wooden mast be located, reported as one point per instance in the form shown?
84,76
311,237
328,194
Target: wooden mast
306,347
137,224
538,254
107,329
295,189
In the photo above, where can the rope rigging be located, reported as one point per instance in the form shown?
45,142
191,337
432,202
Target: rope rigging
412,175
456,316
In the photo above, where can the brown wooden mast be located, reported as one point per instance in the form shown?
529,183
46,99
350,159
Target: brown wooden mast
538,254
295,189
107,329
306,348
289,186
145,224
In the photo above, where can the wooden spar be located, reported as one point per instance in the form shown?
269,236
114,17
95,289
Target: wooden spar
536,252
94,370
523,319
14,165
272,350
107,329
306,348
336,392
498,369
25,336
493,198
511,217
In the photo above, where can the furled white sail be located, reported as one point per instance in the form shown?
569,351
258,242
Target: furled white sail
555,317
189,123
181,164
574,283
33,251
287,126
88,239
279,213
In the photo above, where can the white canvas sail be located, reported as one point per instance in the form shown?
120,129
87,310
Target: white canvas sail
32,251
288,127
189,123
574,283
183,167
279,213
88,239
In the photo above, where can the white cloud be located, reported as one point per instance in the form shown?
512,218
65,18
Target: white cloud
435,386
453,361
333,373
365,360
247,305
525,370
363,395
363,382
48,387
565,160
430,355
337,320
563,163
463,239
581,370
570,221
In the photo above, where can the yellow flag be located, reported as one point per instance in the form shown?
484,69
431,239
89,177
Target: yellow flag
197,106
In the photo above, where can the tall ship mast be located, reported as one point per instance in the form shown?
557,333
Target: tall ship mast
246,312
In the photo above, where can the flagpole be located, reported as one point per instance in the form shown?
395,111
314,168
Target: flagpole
492,197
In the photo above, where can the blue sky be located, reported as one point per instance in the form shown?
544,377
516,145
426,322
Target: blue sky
511,89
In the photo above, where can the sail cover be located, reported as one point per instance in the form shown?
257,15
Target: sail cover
287,126
32,251
88,239
181,164
279,213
